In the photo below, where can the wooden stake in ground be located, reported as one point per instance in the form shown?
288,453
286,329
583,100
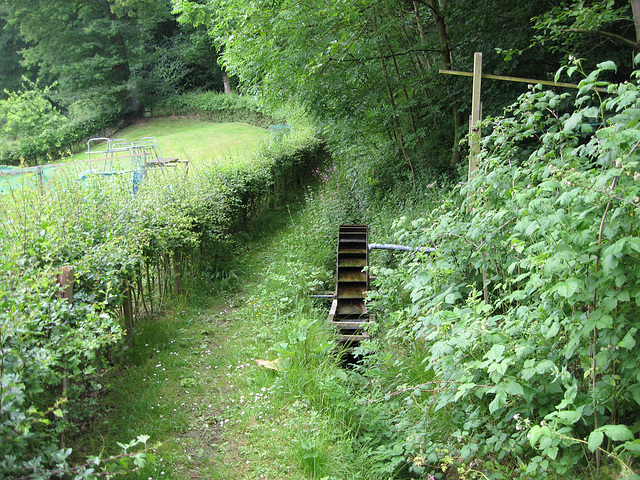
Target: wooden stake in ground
476,114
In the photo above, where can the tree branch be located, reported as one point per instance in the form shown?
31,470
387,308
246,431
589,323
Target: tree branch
601,33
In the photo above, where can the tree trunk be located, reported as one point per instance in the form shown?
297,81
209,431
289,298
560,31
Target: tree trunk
122,70
447,62
225,81
635,8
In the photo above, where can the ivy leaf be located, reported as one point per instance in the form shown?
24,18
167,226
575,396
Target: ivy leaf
595,440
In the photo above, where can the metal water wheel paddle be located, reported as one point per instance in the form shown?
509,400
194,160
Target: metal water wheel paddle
349,313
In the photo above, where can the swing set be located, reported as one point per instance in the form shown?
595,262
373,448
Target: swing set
120,157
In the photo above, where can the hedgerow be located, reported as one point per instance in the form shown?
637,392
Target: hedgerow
211,107
524,322
54,143
126,249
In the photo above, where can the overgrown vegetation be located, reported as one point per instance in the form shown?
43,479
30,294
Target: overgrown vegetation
509,353
128,251
526,315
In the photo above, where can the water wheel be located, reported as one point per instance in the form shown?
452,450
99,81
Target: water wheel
349,313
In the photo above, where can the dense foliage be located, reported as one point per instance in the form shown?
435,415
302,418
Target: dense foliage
211,107
370,69
107,61
118,243
511,352
526,314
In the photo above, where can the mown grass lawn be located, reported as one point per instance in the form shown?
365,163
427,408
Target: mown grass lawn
203,144
199,142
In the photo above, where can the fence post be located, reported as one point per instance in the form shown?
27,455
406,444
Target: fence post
65,279
476,112
128,315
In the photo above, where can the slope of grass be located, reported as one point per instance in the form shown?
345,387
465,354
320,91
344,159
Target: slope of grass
198,142
202,144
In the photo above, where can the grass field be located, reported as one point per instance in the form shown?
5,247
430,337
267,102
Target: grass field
200,143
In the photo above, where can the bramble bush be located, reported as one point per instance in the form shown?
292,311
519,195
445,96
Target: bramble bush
526,316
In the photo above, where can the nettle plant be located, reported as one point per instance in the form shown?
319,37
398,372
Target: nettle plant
529,308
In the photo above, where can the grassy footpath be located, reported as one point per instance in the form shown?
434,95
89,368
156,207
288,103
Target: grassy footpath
239,380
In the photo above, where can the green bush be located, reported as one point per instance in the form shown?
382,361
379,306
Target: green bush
211,107
527,312
53,143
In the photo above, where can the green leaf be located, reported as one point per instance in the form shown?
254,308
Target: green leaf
628,341
591,112
608,65
534,435
633,446
570,416
595,440
633,244
552,452
573,121
498,402
617,433
567,288
553,331
58,413
496,353
514,388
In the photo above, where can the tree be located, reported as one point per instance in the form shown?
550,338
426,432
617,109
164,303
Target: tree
27,113
592,30
201,17
366,67
92,50
10,70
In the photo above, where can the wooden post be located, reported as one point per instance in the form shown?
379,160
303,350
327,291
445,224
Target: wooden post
476,113
65,280
128,314
177,273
